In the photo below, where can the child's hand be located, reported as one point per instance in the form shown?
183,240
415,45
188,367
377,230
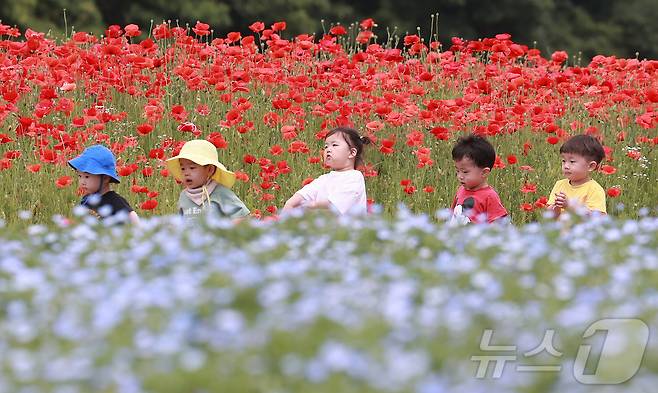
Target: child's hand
561,200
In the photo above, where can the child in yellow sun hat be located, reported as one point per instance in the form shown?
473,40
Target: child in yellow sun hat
207,182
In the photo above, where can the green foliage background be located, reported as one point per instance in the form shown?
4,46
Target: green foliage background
621,28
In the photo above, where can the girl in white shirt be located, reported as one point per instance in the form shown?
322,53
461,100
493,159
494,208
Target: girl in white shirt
342,190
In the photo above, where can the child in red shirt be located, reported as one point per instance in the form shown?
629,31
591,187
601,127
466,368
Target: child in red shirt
476,201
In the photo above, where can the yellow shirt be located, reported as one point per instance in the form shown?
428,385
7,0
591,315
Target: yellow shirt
589,194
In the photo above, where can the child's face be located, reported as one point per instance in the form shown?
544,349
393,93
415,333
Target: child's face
337,153
576,168
195,175
89,183
470,175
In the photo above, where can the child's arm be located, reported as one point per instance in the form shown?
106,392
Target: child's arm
325,204
307,193
557,201
133,217
295,201
298,200
561,203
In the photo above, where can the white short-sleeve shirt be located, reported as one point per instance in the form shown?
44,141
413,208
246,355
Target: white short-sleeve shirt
346,190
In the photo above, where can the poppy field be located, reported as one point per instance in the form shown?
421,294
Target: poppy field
266,100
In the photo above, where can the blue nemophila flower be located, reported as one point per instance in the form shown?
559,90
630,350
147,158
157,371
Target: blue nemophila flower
386,305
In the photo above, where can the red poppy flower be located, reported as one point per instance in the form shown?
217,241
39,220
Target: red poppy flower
257,27
608,169
147,172
440,133
364,36
415,138
428,189
202,109
157,154
201,29
298,147
559,57
125,170
614,192
63,181
243,177
511,159
367,24
307,181
498,163
541,203
279,26
645,120
368,170
217,139
410,190
48,155
338,30
527,146
634,154
405,182
387,146
526,207
276,150
233,36
152,194
249,159
113,31
652,95
144,129
411,39
5,163
136,188
4,138
132,30
164,172
34,168
552,140
149,204
12,154
288,132
179,113
283,167
529,188
112,50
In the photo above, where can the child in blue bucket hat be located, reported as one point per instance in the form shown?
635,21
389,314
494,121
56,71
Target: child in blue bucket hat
96,168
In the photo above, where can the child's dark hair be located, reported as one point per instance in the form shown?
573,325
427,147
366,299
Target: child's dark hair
353,140
477,149
586,146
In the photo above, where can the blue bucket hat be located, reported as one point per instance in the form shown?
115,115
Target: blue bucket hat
97,160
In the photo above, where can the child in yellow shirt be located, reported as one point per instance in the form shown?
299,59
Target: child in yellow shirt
581,155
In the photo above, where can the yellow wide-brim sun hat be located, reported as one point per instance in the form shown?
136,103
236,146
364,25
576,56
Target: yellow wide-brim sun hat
203,153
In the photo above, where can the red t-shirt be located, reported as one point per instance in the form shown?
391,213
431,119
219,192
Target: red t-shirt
481,201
